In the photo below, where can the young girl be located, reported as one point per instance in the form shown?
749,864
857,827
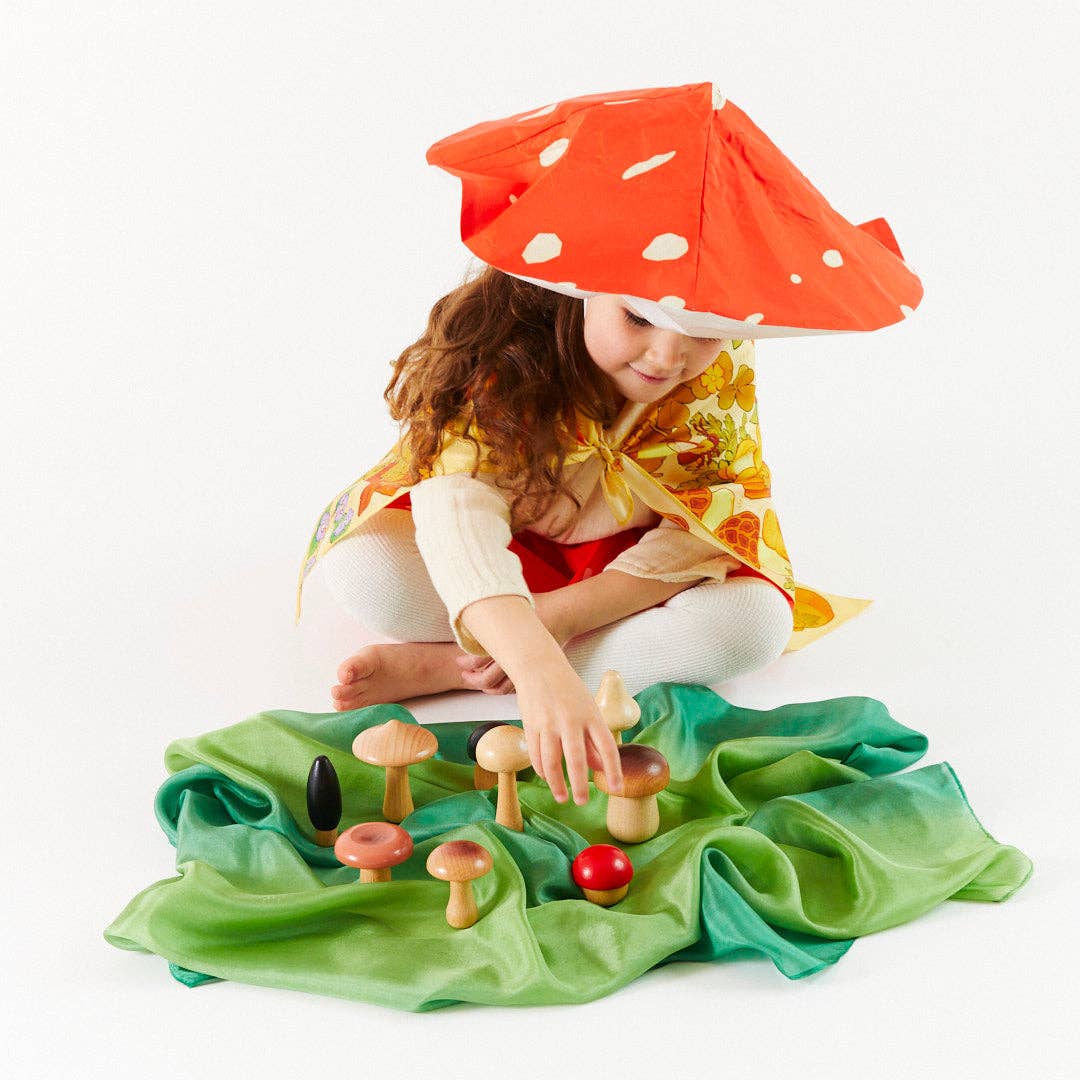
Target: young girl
579,485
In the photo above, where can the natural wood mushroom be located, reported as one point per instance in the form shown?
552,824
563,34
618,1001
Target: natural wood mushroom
634,816
373,848
504,750
324,800
619,710
395,746
483,780
460,862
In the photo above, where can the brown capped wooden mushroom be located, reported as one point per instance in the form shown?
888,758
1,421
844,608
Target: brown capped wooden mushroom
395,746
460,862
619,710
373,848
503,750
634,816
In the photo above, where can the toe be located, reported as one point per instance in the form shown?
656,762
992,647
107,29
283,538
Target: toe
360,666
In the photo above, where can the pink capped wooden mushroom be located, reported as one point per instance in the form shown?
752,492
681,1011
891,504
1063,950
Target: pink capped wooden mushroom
373,848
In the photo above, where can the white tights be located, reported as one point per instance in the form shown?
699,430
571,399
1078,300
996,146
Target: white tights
709,633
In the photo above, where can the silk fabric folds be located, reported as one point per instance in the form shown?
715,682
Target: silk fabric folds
784,833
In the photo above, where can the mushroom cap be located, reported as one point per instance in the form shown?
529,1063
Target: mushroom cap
478,733
645,772
373,845
459,860
503,749
602,866
619,710
702,219
395,743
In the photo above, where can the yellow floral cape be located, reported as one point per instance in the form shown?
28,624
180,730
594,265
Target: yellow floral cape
694,457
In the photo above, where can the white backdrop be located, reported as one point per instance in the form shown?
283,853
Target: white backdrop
218,229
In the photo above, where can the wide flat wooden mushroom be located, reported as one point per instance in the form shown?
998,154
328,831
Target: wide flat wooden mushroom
373,848
395,746
460,862
619,710
505,751
634,816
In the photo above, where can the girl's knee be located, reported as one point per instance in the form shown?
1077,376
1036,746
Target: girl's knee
751,616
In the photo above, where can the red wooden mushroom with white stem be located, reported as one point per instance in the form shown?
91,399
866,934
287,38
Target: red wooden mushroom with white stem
673,198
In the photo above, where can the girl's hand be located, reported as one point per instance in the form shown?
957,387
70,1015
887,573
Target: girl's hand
482,673
560,719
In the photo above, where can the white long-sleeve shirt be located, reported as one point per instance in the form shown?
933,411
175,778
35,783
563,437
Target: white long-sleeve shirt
463,526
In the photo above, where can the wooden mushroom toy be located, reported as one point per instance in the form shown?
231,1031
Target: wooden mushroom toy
460,862
503,750
483,780
373,848
603,873
634,816
619,710
324,800
395,746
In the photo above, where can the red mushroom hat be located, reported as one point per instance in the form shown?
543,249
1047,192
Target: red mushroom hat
673,198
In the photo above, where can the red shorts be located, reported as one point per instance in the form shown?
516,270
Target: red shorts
549,565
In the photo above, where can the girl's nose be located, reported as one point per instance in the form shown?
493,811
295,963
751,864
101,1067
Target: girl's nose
665,352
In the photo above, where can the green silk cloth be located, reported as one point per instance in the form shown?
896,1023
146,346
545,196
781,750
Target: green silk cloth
785,833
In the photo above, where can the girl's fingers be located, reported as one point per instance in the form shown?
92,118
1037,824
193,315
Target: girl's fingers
551,753
608,752
533,739
576,767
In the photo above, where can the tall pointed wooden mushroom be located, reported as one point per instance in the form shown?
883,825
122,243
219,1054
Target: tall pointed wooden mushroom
619,710
505,751
395,746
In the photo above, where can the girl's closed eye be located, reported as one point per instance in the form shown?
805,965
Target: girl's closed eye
635,320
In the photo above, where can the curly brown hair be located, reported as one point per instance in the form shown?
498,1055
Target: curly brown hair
510,357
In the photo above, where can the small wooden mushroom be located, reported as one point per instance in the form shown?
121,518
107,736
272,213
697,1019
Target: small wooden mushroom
603,873
483,780
324,800
619,710
460,862
373,848
504,750
634,816
395,746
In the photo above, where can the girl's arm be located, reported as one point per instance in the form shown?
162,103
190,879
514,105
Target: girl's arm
601,599
558,714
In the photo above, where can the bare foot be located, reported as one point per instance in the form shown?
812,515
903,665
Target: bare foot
379,674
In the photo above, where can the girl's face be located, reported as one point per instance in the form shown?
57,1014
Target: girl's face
642,362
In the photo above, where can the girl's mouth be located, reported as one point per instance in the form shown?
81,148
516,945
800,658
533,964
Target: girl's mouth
646,378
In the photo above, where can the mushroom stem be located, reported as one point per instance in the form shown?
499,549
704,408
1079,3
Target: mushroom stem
508,808
632,820
397,802
326,837
484,779
606,897
461,911
369,876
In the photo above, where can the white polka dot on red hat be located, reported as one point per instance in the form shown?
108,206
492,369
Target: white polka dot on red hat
550,154
541,247
648,164
832,257
666,246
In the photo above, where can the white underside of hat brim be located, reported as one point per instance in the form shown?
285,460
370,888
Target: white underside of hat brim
701,324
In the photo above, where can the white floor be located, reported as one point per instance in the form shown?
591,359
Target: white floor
213,220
